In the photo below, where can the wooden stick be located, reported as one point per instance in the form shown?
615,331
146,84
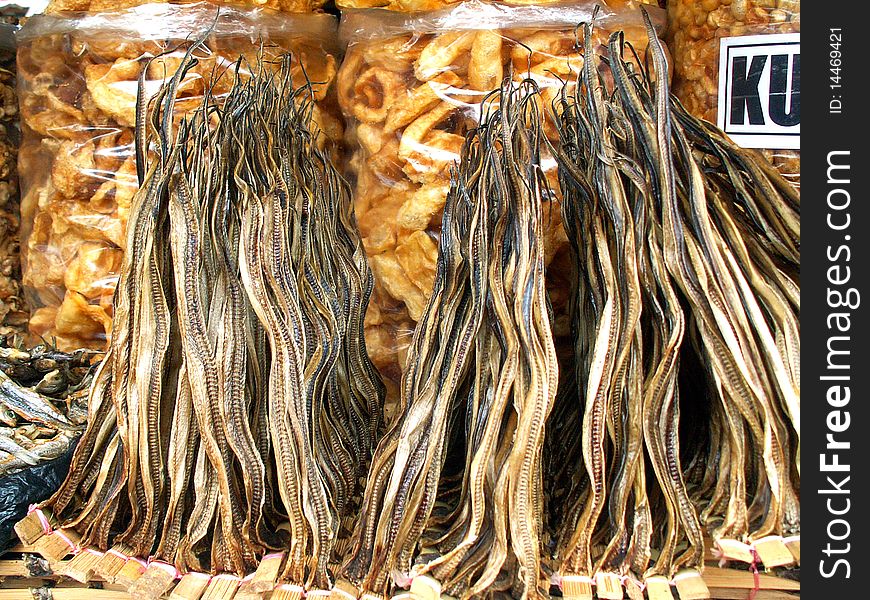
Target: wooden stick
130,572
32,527
58,544
287,591
112,563
246,592
343,590
577,587
773,552
81,567
608,586
267,573
793,544
691,586
633,590
191,587
222,587
658,588
154,582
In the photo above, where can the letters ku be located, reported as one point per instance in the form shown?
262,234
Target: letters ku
745,95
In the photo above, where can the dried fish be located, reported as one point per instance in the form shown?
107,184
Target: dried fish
479,384
237,409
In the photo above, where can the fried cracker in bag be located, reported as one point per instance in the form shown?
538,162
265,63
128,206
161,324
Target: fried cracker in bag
78,76
410,88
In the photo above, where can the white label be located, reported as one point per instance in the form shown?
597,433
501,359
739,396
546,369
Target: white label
760,90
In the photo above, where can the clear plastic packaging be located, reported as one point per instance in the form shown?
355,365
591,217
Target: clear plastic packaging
695,29
408,6
294,6
78,77
13,312
410,88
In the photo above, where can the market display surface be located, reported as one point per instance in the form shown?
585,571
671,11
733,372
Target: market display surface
521,324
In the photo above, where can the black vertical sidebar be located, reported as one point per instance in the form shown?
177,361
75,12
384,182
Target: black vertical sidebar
835,299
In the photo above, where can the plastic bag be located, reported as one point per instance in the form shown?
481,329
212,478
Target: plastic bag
431,5
78,84
695,31
410,87
13,312
29,486
294,6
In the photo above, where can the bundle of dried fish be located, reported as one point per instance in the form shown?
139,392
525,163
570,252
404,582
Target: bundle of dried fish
237,409
687,252
455,486
42,404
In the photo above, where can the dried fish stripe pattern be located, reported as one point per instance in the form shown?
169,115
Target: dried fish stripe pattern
236,410
410,88
78,80
694,33
481,377
685,306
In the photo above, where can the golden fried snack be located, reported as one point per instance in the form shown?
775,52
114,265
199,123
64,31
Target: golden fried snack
424,5
694,33
78,106
409,99
293,6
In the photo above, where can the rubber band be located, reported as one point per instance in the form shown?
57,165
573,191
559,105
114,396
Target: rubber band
401,579
640,584
291,587
198,575
247,577
46,526
118,553
68,541
273,555
93,551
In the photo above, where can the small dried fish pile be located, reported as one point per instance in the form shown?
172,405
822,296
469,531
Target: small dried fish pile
455,488
237,410
42,404
686,302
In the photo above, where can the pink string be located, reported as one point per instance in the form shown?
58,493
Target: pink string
46,526
756,577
